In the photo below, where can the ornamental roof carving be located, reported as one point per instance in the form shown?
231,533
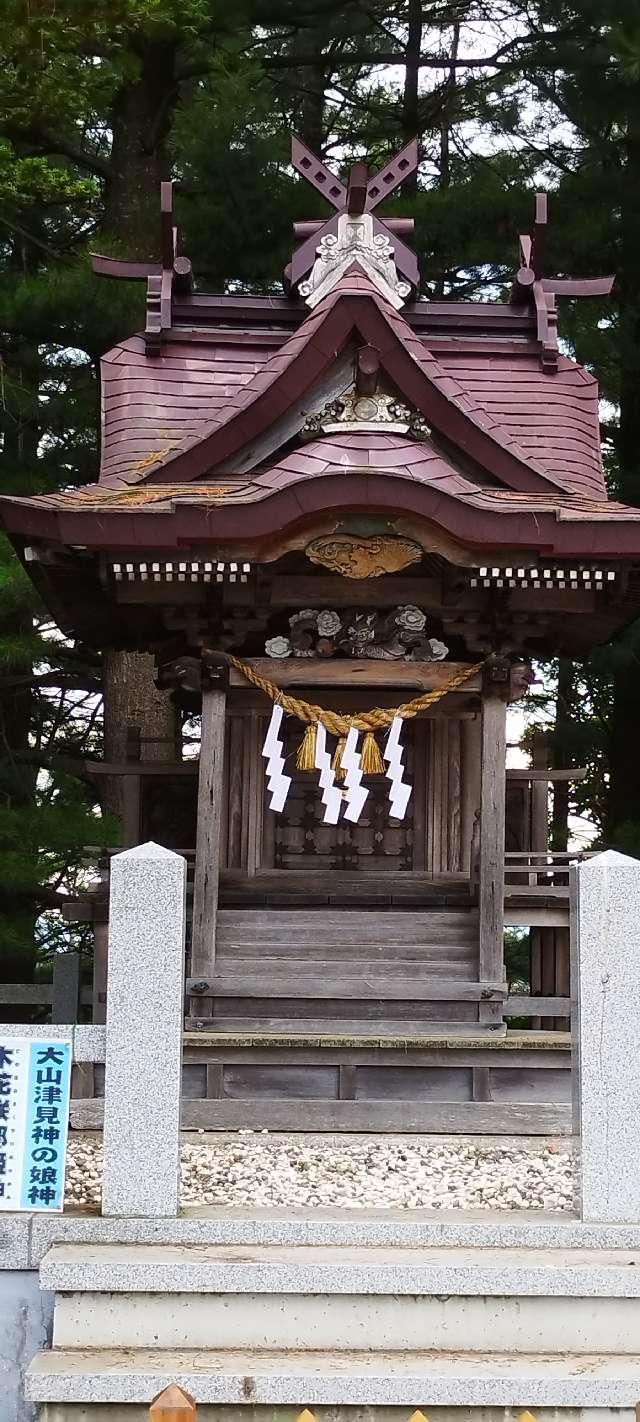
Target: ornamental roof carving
355,242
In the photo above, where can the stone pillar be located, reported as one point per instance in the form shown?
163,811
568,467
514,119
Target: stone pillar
145,1006
605,973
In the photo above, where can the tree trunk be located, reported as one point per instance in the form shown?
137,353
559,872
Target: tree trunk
410,102
312,83
132,699
141,119
21,369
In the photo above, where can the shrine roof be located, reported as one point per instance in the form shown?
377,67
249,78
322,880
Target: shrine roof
185,413
240,418
337,472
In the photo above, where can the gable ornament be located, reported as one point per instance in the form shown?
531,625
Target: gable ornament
355,413
355,241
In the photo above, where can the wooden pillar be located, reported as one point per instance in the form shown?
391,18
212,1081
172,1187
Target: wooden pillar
100,969
492,828
65,1006
207,866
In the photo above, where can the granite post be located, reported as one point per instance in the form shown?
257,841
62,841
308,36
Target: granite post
145,1006
605,971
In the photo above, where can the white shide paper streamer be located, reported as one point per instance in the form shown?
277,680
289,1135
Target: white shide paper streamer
278,784
355,793
399,790
331,793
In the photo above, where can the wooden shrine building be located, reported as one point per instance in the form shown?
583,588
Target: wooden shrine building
316,508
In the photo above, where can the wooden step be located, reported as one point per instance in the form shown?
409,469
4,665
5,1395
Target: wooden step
273,1017
300,981
281,931
425,963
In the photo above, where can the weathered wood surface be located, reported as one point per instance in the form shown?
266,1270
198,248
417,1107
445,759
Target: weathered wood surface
454,961
65,997
300,590
291,929
272,981
355,671
437,1116
521,1005
31,994
470,1117
207,866
520,893
524,1047
297,1081
294,968
492,832
100,970
546,777
41,994
336,1018
538,914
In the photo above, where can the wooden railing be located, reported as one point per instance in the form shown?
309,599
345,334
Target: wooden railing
537,872
64,993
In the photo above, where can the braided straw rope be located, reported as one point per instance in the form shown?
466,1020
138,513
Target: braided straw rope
338,725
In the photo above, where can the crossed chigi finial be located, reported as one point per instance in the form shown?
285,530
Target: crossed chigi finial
532,288
361,194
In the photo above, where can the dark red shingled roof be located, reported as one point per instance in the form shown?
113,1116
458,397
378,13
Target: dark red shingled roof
185,413
202,443
387,473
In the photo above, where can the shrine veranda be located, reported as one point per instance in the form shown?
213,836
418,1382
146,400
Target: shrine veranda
345,521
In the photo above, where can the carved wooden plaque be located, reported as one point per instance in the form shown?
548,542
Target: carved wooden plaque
363,557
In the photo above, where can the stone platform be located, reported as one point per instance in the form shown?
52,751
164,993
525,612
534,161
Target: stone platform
320,1309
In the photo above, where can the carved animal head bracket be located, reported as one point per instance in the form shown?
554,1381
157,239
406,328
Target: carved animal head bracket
353,233
170,276
532,288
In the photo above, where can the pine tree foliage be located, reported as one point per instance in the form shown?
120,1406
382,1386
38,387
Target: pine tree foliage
99,101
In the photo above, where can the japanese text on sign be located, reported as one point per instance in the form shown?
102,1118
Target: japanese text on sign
35,1078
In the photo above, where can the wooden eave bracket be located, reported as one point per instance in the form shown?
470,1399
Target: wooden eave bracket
171,276
532,288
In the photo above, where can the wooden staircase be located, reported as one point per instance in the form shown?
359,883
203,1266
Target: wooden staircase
396,972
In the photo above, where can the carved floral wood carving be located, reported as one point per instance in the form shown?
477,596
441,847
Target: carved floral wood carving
398,635
363,557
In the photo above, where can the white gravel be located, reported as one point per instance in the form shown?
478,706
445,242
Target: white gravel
255,1169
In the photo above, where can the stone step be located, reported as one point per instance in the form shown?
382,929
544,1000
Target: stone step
327,1269
341,1322
29,1238
310,1297
407,1379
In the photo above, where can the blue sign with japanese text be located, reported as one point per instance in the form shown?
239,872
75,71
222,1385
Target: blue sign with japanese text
35,1083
